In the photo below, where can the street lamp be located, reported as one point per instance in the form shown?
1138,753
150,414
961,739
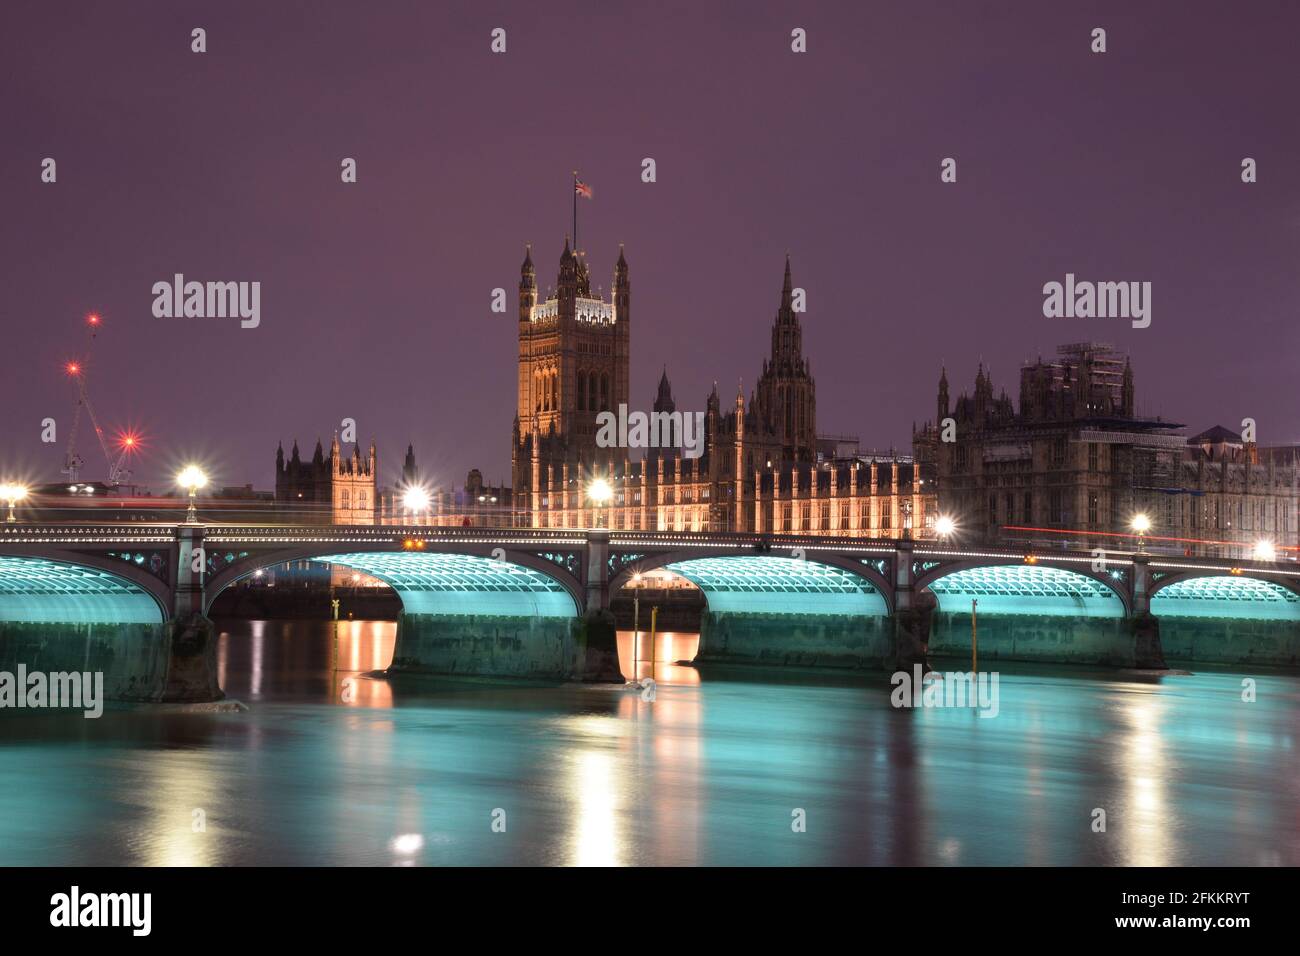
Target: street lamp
600,492
944,527
12,493
1141,524
415,499
1265,551
192,479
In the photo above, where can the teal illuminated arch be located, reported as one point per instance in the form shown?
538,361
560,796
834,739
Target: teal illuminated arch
461,584
1226,597
771,585
1026,589
39,591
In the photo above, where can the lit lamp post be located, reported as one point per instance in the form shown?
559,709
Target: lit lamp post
12,494
192,479
415,500
1264,550
600,494
1141,524
944,528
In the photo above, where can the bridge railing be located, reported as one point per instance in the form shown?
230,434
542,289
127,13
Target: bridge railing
292,534
87,533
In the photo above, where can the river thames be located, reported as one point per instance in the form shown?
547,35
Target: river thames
332,765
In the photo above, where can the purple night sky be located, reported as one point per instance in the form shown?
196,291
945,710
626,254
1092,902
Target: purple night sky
375,296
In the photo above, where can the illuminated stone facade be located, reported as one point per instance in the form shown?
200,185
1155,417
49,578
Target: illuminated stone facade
1076,464
761,467
340,489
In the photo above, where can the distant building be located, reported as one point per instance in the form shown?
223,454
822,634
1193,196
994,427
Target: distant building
1235,492
762,467
339,489
1076,458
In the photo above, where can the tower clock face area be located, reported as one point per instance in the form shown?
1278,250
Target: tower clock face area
573,356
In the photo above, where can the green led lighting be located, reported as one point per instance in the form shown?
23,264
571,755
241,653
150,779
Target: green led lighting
37,591
1227,597
1026,589
459,584
763,584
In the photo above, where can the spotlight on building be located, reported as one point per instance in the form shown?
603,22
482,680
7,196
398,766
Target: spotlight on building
944,527
192,478
1265,551
12,493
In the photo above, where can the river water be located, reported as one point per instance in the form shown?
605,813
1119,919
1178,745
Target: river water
331,766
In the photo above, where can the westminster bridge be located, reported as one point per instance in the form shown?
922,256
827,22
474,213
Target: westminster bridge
132,600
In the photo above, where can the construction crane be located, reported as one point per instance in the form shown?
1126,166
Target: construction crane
73,462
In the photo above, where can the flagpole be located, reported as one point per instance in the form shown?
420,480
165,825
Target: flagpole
575,212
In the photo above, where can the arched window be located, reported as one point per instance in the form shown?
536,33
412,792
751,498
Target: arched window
555,391
582,391
346,500
591,395
537,391
604,393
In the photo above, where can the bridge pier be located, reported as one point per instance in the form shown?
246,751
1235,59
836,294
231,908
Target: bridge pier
1148,654
597,634
189,638
911,620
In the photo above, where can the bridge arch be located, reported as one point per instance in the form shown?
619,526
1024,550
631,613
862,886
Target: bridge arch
1214,594
458,573
79,589
721,571
1016,587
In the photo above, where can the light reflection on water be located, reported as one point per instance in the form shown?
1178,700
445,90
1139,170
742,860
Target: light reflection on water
332,766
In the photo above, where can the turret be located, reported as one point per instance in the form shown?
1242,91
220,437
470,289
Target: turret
527,285
566,291
410,473
622,290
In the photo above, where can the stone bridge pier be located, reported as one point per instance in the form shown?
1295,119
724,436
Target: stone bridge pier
190,638
913,615
1144,627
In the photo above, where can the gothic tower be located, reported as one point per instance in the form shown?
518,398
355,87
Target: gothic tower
573,364
665,405
787,393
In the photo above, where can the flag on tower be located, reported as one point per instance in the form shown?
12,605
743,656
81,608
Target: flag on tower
582,189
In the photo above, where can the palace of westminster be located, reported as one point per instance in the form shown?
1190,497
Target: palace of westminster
1074,460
